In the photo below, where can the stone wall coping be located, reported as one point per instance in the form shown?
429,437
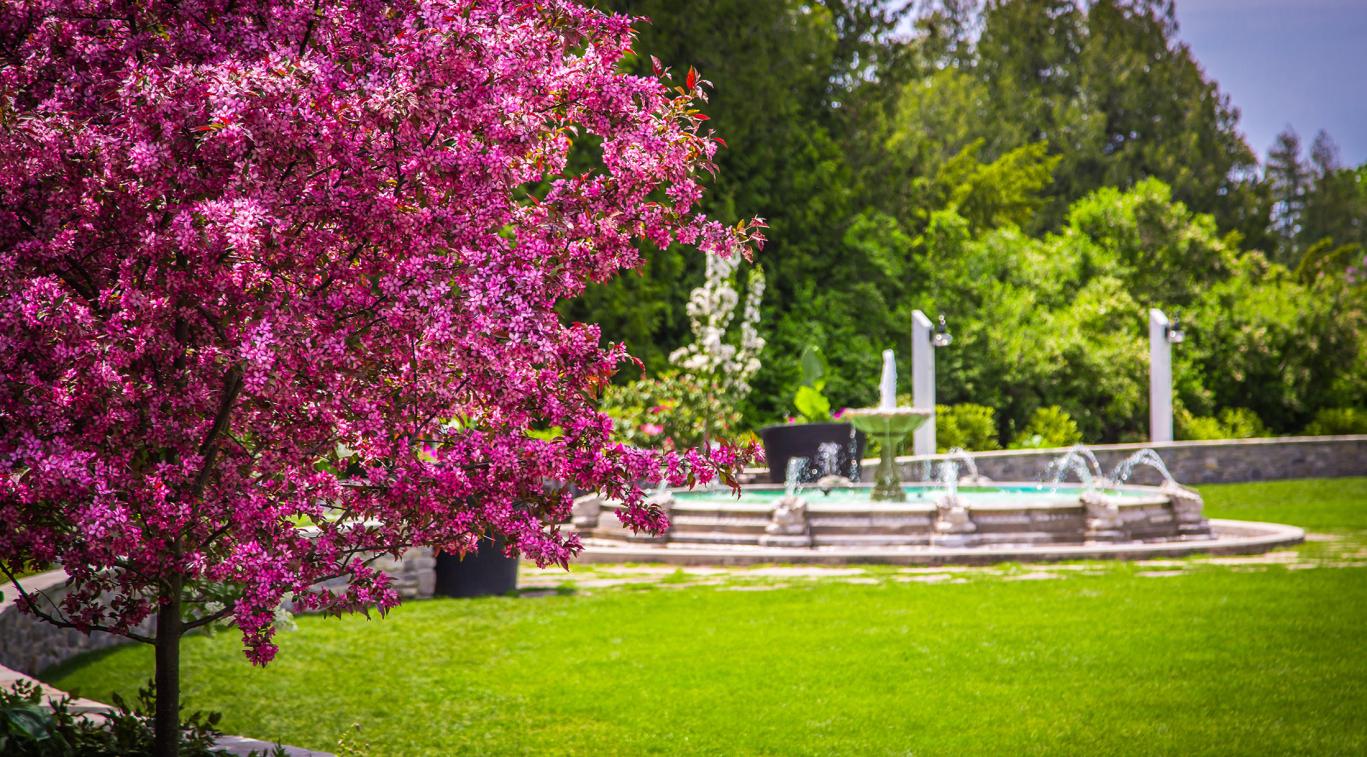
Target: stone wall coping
237,745
1155,446
1208,449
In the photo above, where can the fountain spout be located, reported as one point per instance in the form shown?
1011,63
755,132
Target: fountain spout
793,475
887,387
1145,456
958,454
889,425
1079,460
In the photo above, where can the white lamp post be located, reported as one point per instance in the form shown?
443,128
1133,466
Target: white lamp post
1163,334
925,337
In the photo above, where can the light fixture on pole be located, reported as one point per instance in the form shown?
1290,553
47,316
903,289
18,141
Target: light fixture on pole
941,337
1175,335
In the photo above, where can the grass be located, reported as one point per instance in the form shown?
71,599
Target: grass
1218,657
1333,505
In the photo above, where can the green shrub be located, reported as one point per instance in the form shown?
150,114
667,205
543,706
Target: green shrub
1049,426
1232,423
1198,427
1338,420
664,411
968,426
31,727
1242,423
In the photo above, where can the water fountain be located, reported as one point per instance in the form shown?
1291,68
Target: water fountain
1122,472
795,475
1187,506
889,424
1078,460
953,522
787,525
948,519
959,455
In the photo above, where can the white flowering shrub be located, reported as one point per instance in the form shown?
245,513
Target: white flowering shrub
720,361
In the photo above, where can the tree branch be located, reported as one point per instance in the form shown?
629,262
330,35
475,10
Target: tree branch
206,620
60,620
208,450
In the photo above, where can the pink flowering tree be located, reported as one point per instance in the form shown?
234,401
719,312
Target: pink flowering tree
277,291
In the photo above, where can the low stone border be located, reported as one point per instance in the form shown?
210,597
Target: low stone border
1191,463
1232,537
31,645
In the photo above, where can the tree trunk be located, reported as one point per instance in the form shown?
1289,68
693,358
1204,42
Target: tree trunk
166,721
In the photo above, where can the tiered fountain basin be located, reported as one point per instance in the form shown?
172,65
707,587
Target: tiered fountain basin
976,524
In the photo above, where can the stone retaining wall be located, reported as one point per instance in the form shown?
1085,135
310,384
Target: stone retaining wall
1208,462
29,645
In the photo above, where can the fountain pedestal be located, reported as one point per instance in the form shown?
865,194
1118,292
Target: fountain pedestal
890,427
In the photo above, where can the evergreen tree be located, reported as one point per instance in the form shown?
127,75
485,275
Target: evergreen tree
1288,179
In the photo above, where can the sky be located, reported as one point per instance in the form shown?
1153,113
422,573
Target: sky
1301,63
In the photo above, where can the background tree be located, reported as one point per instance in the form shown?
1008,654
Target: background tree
1288,180
278,295
926,158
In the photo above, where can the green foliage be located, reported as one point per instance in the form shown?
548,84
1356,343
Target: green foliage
1338,420
1320,207
813,367
1262,340
1041,171
1198,428
1243,423
665,411
1231,423
966,426
29,728
1049,426
33,727
812,406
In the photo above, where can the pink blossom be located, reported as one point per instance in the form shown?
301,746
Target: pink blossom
278,289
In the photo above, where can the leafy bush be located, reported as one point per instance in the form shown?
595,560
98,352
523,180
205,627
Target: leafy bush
1282,348
1242,423
1198,427
1049,426
1232,423
31,728
663,412
1338,420
968,426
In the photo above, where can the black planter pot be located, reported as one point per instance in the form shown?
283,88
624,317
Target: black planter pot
782,443
484,573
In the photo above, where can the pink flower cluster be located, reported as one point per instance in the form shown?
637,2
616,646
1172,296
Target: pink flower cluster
278,286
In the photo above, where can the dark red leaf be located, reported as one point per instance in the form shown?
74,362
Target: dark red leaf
692,80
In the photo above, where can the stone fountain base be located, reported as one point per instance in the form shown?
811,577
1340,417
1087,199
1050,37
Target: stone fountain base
1227,537
978,525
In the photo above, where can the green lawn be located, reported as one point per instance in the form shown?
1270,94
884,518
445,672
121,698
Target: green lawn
1215,656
